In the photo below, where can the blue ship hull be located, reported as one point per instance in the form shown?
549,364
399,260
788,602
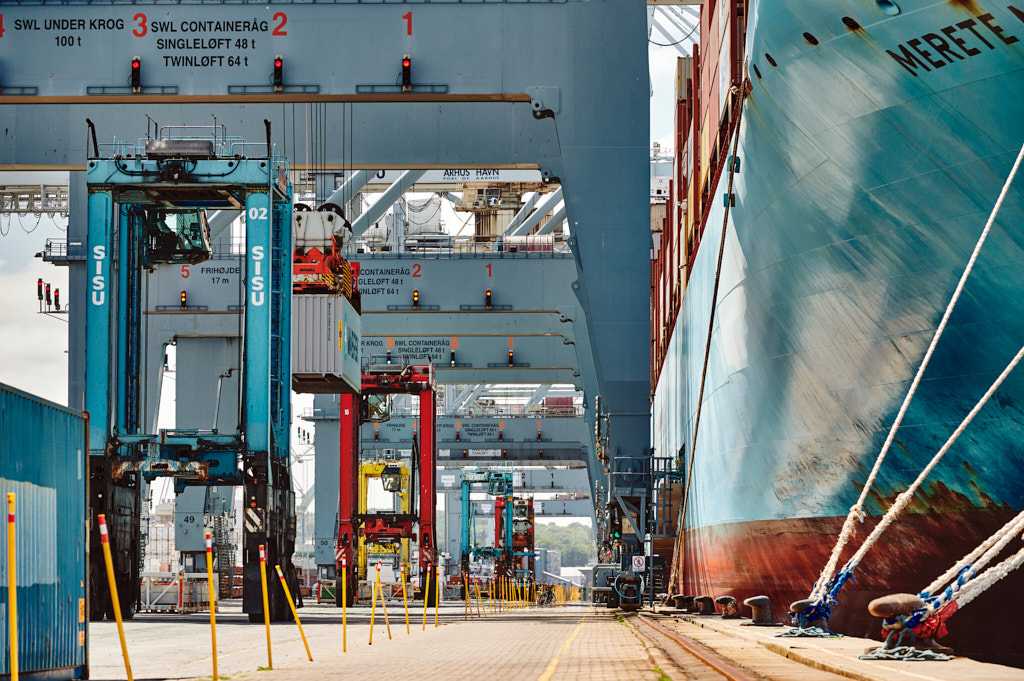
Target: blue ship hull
870,162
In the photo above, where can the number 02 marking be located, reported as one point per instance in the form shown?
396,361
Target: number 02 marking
282,20
258,213
408,22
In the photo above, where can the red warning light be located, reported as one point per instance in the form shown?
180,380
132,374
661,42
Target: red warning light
136,79
278,74
406,74
39,288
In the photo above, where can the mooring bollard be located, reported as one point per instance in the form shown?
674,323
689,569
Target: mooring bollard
213,601
295,614
730,609
266,602
114,600
760,610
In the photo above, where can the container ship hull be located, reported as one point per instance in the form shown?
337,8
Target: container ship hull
872,144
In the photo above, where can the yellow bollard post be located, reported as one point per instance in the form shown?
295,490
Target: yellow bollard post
383,604
426,599
114,601
465,582
213,601
478,599
373,609
437,601
405,600
12,587
344,605
266,603
295,614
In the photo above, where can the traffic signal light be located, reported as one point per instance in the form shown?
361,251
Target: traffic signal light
136,78
278,74
406,74
614,523
49,299
39,289
56,299
183,299
488,299
415,297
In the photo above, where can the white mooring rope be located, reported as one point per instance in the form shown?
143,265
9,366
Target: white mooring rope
981,555
907,495
857,510
982,582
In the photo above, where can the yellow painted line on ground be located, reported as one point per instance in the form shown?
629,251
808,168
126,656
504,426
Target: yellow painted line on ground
549,671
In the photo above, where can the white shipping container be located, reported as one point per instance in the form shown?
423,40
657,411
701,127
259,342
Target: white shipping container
325,345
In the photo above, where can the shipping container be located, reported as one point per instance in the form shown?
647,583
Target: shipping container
43,461
325,345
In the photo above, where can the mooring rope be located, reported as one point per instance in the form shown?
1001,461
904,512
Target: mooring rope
823,587
977,557
821,608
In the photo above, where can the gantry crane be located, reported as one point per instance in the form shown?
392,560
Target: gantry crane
393,379
499,485
146,206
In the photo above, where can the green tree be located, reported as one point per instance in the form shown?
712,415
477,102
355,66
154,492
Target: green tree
575,541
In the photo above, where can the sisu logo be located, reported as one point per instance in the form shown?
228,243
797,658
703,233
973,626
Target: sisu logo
99,280
257,294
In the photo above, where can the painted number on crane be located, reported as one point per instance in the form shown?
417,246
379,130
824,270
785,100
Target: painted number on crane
258,213
282,20
141,25
408,22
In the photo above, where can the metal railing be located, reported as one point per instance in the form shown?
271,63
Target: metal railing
463,249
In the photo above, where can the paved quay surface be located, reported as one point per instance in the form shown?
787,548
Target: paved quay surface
567,642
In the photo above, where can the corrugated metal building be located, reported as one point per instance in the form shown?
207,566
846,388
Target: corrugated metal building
43,461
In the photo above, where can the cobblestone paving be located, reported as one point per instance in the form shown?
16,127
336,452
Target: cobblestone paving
571,642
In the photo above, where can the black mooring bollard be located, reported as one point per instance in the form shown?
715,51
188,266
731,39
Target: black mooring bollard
761,610
730,610
705,605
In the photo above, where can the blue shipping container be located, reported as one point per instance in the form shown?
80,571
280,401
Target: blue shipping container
42,460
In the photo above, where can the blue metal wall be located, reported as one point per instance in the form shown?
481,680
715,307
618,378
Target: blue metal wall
42,460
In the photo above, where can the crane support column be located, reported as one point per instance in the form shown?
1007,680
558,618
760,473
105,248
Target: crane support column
348,495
